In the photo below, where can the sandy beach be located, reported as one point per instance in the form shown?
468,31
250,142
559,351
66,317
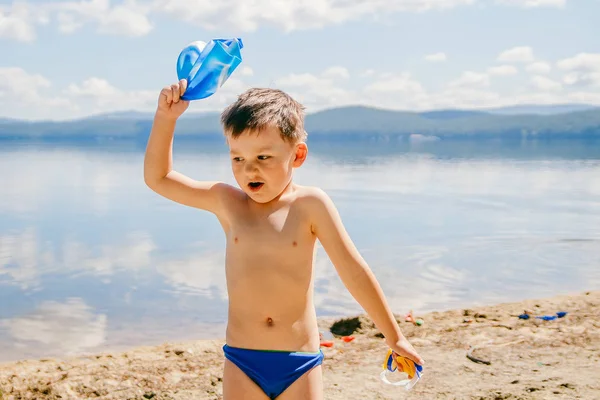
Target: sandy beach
522,359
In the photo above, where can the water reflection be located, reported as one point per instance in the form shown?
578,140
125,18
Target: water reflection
66,328
200,274
25,257
19,254
91,259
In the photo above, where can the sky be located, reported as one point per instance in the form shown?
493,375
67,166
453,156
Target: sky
64,60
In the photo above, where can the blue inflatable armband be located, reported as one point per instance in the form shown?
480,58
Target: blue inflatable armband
206,66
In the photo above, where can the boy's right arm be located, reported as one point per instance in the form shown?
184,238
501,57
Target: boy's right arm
158,162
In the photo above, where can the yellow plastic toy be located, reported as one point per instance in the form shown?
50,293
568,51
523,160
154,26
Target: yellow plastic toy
401,370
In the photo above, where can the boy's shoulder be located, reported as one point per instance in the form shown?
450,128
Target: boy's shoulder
310,193
313,198
318,207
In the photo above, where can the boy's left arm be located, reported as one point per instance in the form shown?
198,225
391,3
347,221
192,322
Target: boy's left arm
356,274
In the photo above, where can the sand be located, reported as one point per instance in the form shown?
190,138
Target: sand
528,359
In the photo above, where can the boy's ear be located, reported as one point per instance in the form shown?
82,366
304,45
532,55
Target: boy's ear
301,153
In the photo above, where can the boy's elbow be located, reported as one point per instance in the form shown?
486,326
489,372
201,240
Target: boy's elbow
150,179
152,173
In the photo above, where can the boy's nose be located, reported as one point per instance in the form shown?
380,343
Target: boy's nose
250,167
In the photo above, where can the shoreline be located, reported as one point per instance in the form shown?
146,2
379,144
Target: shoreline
136,337
529,359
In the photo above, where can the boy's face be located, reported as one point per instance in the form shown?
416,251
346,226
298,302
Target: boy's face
263,162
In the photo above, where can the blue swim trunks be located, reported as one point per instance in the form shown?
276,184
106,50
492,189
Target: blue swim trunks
273,370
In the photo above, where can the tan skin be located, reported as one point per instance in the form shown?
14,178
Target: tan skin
271,226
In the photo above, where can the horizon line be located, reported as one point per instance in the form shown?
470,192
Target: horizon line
488,109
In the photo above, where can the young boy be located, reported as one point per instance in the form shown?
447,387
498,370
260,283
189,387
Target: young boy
270,225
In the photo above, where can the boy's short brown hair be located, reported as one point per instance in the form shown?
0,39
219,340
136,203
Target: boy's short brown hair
258,108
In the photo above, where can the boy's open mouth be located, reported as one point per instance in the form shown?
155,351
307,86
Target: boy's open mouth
255,186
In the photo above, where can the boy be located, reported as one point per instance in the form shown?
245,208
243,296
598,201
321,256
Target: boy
271,226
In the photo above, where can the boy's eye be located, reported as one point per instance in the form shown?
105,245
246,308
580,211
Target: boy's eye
237,159
263,157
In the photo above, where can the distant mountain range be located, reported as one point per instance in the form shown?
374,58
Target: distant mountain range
534,109
515,122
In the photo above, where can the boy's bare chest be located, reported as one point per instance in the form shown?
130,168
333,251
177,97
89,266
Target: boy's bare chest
284,227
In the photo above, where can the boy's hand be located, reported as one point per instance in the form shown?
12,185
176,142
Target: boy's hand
170,104
405,349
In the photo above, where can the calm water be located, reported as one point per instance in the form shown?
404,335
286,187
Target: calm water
91,259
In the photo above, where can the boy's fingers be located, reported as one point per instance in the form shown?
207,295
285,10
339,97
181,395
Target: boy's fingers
175,90
412,355
168,94
163,98
182,86
416,358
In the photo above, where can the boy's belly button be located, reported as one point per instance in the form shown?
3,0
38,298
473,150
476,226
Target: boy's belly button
269,321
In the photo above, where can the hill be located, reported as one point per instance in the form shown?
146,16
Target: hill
546,109
344,122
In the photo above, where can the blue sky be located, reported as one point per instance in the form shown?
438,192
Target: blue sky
69,59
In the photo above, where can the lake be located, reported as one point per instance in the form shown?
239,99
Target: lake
91,259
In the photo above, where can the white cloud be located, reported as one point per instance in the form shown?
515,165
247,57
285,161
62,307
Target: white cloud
517,54
68,23
367,72
403,91
97,95
400,91
18,22
317,90
401,83
247,71
582,79
544,83
289,15
129,18
17,80
503,70
126,20
19,90
539,67
581,62
583,69
336,72
465,97
534,3
471,79
436,57
332,87
132,17
585,97
93,87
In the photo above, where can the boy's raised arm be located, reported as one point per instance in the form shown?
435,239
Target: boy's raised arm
356,274
158,162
